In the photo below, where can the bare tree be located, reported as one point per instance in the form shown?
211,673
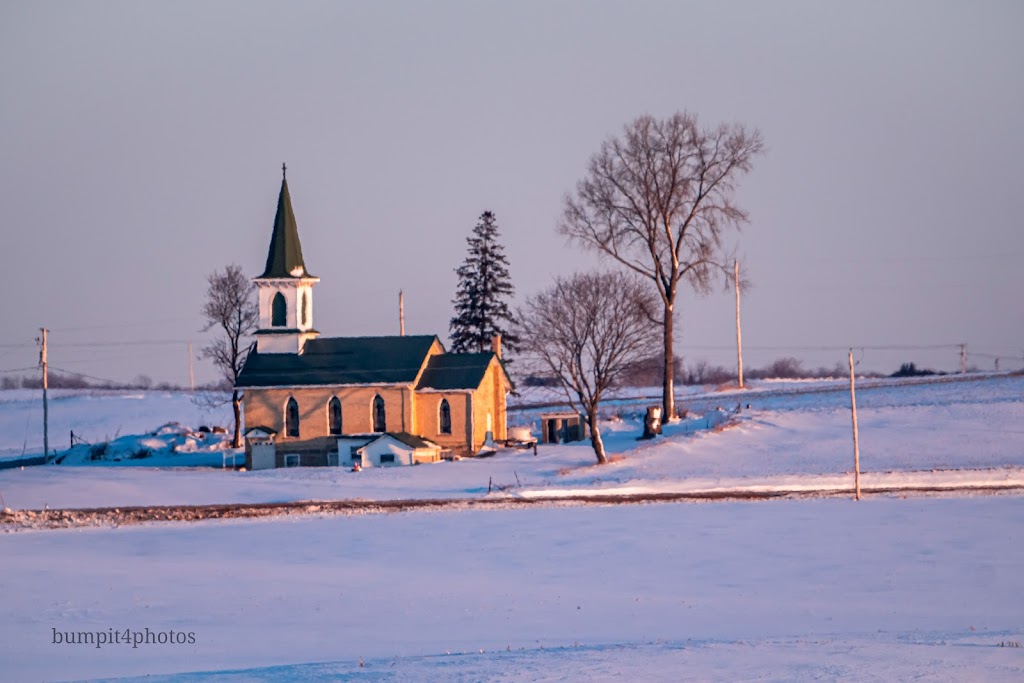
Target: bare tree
659,200
588,330
232,307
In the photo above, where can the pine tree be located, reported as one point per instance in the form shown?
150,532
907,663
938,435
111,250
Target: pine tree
481,299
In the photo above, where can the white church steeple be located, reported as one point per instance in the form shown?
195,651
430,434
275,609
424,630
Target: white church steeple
285,287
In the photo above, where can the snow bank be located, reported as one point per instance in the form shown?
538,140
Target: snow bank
170,445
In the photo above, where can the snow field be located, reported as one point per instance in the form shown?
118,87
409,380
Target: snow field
729,590
884,589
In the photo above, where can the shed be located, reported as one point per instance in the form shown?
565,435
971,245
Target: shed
262,450
562,427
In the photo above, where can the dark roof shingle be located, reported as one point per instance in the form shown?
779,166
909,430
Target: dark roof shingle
450,371
285,254
340,360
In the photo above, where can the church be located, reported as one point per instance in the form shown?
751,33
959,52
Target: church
317,401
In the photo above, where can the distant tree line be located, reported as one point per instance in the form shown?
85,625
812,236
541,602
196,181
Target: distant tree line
647,372
58,380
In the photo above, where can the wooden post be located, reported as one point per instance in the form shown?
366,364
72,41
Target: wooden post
739,338
963,358
401,313
856,445
46,385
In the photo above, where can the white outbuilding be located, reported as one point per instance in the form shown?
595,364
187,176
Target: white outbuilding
386,450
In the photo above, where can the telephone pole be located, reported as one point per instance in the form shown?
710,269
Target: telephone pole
401,313
739,338
856,445
963,358
46,385
191,372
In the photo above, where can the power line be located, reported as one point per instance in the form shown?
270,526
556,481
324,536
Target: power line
33,367
866,347
82,374
102,358
143,323
142,342
918,259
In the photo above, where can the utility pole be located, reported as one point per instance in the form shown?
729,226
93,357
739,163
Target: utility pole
739,338
963,358
401,313
46,385
856,445
191,372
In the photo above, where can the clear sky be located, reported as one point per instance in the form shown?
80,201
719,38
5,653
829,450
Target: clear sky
141,146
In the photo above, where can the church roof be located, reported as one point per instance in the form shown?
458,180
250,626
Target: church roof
284,260
339,360
451,371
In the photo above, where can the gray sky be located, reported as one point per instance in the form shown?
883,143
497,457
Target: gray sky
141,145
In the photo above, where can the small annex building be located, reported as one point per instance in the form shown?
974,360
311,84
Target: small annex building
385,450
303,392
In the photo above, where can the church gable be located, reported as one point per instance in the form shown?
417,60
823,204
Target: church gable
457,371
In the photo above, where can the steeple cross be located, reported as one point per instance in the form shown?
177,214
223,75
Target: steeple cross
284,172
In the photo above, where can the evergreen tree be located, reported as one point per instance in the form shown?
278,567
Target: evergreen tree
481,299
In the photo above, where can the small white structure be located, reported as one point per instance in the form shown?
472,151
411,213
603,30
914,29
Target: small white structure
263,452
386,450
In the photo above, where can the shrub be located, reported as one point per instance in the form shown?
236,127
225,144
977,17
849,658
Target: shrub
911,370
702,372
98,451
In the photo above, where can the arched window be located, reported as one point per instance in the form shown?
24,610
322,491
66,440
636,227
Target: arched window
304,309
291,418
278,311
380,423
445,417
334,415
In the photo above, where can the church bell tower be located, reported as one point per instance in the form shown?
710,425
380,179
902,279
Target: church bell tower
285,287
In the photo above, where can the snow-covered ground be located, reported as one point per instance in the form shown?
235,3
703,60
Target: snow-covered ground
889,588
956,433
96,416
884,589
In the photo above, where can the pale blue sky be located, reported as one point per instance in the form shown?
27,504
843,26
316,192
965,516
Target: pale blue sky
141,145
